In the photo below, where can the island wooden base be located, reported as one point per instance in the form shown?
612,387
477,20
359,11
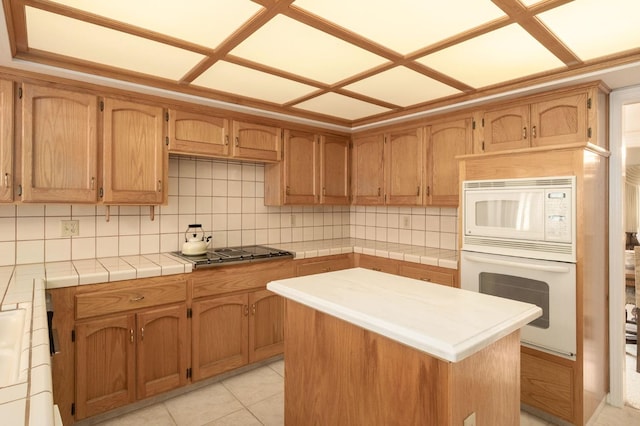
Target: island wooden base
337,373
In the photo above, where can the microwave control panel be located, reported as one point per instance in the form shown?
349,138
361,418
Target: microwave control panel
558,226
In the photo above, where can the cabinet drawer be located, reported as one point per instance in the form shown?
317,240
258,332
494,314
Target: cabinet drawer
229,279
131,296
547,385
323,264
429,274
380,264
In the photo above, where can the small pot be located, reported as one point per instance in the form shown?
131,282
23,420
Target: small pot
195,242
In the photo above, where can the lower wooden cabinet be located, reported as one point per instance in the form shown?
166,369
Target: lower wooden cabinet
318,265
118,362
418,271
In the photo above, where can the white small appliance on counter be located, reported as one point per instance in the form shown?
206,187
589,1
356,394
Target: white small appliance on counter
519,242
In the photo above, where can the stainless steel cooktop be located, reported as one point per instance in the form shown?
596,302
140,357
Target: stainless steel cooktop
230,255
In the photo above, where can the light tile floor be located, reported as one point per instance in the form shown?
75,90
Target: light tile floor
256,398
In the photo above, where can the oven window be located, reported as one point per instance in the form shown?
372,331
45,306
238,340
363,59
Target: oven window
521,289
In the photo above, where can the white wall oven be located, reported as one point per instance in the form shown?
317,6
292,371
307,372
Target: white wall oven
518,242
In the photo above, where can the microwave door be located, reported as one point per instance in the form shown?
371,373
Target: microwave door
505,214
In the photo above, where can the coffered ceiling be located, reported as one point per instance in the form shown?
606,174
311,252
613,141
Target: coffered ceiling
346,62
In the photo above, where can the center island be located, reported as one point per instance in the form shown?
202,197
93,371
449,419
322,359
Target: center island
370,348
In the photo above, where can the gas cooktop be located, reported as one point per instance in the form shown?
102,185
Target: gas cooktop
230,255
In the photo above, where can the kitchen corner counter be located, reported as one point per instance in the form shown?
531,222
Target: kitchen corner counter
417,254
447,323
29,399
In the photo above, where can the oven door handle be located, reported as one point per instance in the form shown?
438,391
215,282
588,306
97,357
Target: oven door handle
545,268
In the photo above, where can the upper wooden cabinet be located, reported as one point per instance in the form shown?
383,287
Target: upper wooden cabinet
367,185
404,166
446,140
256,142
564,117
6,140
198,134
59,145
314,170
134,163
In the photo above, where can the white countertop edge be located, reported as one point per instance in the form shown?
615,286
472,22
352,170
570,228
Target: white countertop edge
433,347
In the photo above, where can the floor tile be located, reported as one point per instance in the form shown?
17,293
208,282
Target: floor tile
270,411
202,406
614,416
255,385
156,415
278,367
239,418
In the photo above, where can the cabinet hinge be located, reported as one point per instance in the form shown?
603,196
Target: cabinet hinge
189,373
73,335
73,408
189,313
166,140
589,103
101,105
19,92
589,132
166,116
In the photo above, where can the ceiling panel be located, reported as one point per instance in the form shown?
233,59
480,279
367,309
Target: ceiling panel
299,49
81,40
231,78
336,105
209,21
594,28
502,55
402,86
404,25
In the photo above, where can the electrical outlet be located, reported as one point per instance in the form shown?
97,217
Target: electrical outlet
405,221
69,228
470,420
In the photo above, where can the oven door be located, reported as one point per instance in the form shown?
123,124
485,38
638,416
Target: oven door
547,284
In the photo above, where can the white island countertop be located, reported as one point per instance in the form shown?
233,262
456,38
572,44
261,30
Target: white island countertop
444,322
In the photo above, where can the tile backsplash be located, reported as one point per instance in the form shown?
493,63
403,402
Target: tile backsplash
227,198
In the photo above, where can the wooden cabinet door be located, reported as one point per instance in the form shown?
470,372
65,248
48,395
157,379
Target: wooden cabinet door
506,128
198,134
367,171
559,121
105,364
334,170
6,140
256,142
403,162
444,142
219,333
266,325
380,264
162,350
133,154
301,168
59,145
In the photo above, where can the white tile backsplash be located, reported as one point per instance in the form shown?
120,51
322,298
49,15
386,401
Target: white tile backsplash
227,198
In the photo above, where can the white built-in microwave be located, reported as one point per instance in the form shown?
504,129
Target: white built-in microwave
531,217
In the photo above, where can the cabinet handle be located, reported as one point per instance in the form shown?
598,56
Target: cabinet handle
136,299
159,185
379,191
237,141
418,193
93,183
6,180
533,132
524,133
428,191
326,270
324,191
425,279
253,309
288,191
142,333
377,269
226,139
131,335
246,310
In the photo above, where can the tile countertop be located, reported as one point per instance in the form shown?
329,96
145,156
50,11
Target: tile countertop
30,400
445,322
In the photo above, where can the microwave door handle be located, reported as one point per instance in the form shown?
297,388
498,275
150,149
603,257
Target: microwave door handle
544,268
